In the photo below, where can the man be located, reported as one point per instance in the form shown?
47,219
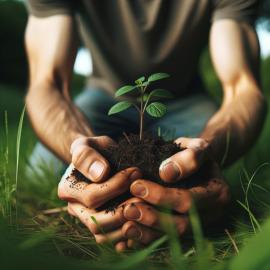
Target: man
128,39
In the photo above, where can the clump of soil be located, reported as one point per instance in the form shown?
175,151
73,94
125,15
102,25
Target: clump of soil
146,154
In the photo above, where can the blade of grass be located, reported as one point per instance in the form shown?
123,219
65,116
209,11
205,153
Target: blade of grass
177,258
18,144
132,261
204,250
252,217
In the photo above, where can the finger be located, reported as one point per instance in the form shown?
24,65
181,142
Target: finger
213,192
194,143
178,199
98,142
121,246
96,194
110,237
147,215
185,162
140,233
100,222
70,210
88,160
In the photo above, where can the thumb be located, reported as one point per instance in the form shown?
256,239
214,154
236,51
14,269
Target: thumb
185,162
87,159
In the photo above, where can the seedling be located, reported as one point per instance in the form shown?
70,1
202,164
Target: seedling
144,99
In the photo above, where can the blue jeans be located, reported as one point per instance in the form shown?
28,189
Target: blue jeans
185,117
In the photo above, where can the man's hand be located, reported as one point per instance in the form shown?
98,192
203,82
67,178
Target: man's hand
86,158
84,198
210,198
211,191
195,152
89,162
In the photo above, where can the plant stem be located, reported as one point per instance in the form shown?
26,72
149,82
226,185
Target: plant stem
141,126
141,115
141,111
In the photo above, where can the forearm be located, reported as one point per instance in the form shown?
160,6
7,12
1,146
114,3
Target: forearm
236,126
55,119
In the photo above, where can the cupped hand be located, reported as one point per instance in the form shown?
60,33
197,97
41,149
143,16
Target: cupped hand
211,197
195,151
106,226
86,158
85,198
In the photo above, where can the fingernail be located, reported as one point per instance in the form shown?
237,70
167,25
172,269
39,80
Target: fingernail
133,232
135,175
138,190
170,170
132,212
96,170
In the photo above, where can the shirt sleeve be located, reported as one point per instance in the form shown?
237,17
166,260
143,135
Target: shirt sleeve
46,8
240,10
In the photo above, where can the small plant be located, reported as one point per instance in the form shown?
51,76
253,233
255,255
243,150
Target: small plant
154,109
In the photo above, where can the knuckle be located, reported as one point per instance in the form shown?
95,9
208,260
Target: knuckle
158,198
153,222
90,201
127,225
81,155
78,154
184,201
77,142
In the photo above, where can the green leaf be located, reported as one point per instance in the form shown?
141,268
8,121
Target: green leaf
119,107
125,89
156,109
161,93
140,80
158,76
145,83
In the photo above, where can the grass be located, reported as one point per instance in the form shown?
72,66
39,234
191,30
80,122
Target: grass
56,240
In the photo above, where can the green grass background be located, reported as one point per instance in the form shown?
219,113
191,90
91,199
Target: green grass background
29,238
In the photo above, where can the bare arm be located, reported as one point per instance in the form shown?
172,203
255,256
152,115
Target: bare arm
235,54
51,49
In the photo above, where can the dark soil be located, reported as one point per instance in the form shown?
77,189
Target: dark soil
146,154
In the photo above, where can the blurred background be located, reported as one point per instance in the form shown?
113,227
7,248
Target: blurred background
40,195
13,75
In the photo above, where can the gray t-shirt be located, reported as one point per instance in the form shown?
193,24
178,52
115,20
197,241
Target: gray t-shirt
131,38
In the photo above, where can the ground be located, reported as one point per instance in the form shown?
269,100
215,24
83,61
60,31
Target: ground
35,234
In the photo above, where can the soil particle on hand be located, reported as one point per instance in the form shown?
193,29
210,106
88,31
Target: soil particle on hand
75,179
